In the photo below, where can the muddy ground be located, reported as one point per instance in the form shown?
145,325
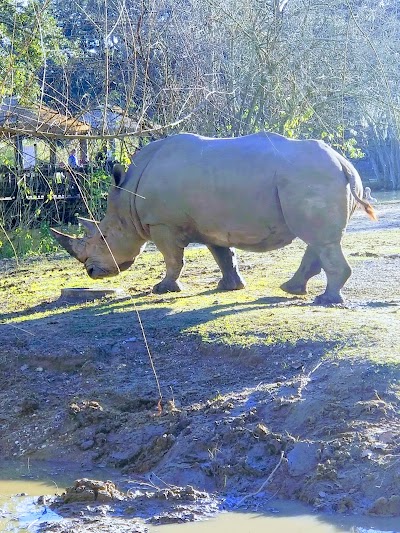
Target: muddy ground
262,394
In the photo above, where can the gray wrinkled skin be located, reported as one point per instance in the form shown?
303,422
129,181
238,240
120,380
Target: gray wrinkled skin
256,193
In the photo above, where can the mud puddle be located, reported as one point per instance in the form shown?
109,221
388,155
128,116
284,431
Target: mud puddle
20,486
387,196
19,511
284,517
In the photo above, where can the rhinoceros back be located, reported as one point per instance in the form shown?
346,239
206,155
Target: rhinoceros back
217,191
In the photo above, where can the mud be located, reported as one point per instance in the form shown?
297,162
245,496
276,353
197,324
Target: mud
106,507
235,427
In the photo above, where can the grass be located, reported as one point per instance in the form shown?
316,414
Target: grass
259,317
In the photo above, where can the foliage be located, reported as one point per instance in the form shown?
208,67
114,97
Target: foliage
296,70
94,192
6,155
24,222
29,38
214,67
27,242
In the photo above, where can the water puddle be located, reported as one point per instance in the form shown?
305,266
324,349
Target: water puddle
286,518
20,486
18,511
387,196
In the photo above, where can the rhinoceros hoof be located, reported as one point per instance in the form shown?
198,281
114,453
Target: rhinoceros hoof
230,284
167,286
326,299
293,289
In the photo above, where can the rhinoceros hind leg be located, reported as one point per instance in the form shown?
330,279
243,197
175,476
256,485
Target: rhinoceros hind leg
166,242
326,299
337,272
310,266
227,261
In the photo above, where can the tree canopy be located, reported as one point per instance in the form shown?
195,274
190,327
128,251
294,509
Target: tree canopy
29,40
217,67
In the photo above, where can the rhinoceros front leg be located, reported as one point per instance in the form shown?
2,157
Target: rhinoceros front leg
166,242
227,261
310,266
337,271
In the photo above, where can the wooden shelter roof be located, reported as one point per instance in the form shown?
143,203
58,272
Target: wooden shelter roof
38,121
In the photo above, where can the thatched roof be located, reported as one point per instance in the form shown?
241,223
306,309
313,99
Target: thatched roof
38,121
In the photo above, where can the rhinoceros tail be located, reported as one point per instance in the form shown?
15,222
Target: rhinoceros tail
366,205
351,174
370,211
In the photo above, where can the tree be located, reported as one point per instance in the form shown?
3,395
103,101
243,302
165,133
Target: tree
29,39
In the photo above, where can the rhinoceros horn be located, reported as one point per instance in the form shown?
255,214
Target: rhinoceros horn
73,245
91,226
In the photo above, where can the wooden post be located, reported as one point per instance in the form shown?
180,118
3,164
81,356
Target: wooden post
18,150
53,156
83,149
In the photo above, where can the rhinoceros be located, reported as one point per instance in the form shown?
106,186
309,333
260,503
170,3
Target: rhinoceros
257,192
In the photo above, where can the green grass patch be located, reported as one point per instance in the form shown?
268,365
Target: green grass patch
259,317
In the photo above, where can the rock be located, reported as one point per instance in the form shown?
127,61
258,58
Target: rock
87,412
386,437
302,459
126,455
187,493
261,431
344,505
174,517
100,438
394,505
86,444
90,490
379,507
327,470
366,453
29,405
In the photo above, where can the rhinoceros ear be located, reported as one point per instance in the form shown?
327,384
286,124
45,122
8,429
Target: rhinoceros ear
118,174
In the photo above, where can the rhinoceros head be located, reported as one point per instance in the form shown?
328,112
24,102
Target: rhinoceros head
110,246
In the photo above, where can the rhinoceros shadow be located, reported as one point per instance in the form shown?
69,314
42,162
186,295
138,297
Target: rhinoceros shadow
217,293
72,326
106,330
